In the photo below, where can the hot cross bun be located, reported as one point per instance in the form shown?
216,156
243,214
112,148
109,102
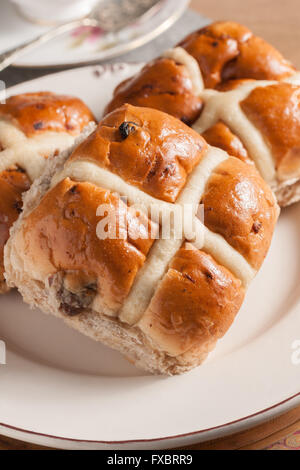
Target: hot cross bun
163,301
33,126
234,89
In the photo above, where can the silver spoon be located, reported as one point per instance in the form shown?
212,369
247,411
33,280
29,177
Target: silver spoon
109,15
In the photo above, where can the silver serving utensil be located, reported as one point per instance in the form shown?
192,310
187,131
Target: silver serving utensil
109,15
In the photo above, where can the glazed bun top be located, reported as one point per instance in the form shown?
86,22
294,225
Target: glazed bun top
228,50
223,56
145,147
163,158
33,126
35,113
163,84
275,111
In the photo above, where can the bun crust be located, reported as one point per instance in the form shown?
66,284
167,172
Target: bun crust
228,50
61,233
219,135
13,183
275,111
250,230
173,95
194,305
145,153
33,126
35,113
247,93
162,302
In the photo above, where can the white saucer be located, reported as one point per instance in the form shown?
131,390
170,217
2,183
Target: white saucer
85,45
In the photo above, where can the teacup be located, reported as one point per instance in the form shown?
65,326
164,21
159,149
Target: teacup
54,11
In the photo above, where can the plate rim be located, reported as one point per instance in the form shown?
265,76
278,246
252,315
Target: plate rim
224,429
201,435
120,49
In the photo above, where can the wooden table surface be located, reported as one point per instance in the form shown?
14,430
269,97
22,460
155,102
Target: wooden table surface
278,22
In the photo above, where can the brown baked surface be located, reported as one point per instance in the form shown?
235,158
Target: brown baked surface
162,84
34,114
239,205
228,50
275,111
157,155
221,136
196,301
60,237
225,51
13,182
229,55
43,111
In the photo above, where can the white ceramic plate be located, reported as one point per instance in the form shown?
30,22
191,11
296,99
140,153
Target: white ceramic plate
61,389
83,45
